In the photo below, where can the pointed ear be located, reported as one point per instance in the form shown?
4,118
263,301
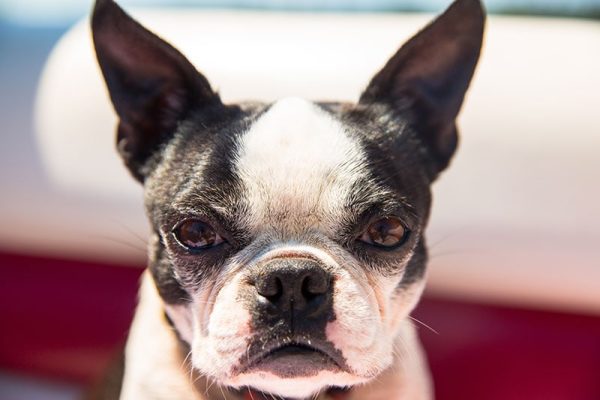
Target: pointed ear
429,75
152,86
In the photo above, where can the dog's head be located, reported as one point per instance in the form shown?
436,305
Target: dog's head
287,238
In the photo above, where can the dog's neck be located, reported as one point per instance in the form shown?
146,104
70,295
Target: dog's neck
158,365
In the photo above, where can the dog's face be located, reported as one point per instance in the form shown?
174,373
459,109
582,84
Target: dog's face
287,238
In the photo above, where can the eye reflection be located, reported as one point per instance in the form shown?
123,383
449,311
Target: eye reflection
195,234
385,232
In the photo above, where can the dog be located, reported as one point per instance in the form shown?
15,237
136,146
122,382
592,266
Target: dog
287,244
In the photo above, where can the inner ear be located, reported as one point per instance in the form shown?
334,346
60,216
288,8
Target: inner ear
152,86
428,77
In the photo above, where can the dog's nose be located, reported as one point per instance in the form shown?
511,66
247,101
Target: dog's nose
298,287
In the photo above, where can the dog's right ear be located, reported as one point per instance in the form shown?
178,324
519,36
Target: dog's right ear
152,85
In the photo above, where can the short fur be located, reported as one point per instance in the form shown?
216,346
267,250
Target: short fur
290,187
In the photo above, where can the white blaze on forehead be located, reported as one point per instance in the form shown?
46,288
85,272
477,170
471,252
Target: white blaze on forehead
297,160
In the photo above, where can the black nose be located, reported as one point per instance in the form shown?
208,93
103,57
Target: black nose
294,289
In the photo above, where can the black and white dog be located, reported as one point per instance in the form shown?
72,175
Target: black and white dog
287,246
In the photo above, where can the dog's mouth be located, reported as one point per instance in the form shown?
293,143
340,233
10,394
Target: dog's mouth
294,359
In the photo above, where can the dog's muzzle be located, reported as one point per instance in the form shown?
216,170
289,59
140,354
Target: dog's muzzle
291,306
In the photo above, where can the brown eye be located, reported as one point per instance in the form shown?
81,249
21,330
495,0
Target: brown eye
195,235
385,232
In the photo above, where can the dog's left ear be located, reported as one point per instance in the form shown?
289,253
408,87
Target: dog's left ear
430,74
152,85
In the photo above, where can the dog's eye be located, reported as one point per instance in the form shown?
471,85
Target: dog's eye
385,232
195,235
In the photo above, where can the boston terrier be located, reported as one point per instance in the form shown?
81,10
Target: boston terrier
287,244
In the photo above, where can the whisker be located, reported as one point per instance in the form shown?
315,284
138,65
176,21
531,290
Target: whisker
437,255
211,382
128,229
122,242
183,363
424,324
445,237
222,392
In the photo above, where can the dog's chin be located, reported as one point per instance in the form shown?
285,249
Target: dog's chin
294,361
293,387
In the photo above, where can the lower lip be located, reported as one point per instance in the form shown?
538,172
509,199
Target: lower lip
295,361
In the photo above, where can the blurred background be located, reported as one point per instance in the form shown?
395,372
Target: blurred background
512,309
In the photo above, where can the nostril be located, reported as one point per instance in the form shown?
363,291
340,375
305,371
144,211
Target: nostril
315,284
270,287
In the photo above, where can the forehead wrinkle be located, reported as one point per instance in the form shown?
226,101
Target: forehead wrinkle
297,164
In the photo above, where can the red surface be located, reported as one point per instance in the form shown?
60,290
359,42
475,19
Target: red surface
64,319
495,353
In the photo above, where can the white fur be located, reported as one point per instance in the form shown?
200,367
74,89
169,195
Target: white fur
357,329
298,162
216,350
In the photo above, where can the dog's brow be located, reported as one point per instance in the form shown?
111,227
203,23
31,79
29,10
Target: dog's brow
391,206
384,204
226,217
